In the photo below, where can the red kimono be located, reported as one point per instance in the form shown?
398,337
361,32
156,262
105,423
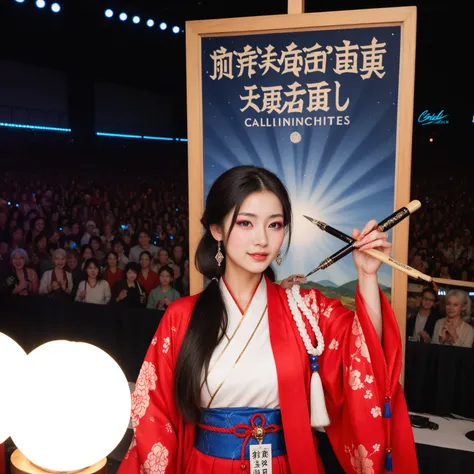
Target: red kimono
358,374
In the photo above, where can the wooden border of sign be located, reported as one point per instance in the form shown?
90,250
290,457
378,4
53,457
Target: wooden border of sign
404,17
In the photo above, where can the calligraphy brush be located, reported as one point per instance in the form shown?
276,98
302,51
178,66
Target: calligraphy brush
384,225
372,252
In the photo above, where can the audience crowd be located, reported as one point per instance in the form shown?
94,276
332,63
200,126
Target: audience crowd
117,242
125,242
441,245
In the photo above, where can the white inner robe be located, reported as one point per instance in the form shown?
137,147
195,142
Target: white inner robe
242,372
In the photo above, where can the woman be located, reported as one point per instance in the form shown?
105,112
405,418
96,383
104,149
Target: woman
147,277
164,294
231,364
452,330
93,289
96,243
112,273
21,280
181,284
86,254
129,292
57,281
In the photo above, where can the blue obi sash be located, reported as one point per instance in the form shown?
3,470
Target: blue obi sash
245,421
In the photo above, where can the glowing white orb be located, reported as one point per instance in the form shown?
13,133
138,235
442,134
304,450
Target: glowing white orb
74,407
12,358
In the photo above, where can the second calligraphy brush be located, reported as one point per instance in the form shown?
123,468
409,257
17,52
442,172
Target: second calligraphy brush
372,252
384,225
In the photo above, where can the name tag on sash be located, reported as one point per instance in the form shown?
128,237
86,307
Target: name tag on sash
261,459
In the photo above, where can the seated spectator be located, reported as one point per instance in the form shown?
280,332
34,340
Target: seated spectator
73,259
164,294
112,273
452,330
161,259
119,248
93,289
96,243
129,292
421,321
90,226
181,284
147,277
143,245
21,280
57,282
86,254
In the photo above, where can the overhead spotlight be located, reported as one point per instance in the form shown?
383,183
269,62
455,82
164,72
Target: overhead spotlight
109,13
56,8
123,16
150,23
20,1
136,20
176,29
163,26
40,3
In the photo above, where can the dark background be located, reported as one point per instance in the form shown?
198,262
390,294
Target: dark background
88,47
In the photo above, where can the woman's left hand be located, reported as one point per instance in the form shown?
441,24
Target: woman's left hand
370,239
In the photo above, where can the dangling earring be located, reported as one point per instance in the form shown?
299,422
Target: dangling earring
279,259
219,257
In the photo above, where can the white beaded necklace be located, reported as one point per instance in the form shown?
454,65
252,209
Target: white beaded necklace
295,301
318,411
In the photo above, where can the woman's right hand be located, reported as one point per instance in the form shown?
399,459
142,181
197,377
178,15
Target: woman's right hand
54,285
122,295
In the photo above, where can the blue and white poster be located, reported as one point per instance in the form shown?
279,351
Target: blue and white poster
318,108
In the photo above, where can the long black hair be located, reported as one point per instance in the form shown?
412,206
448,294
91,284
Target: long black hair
208,322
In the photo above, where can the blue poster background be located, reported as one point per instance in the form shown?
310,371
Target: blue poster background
340,170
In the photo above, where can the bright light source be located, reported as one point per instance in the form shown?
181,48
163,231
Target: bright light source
431,140
78,411
40,3
123,16
56,8
176,29
12,356
20,1
150,23
163,26
136,20
109,13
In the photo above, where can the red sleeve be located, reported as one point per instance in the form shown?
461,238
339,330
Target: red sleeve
158,426
359,374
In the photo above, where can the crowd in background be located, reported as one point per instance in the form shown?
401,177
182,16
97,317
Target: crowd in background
441,245
124,241
104,241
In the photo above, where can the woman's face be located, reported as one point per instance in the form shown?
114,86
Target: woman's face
42,243
72,262
18,262
163,257
39,225
131,275
87,254
92,271
454,308
95,245
178,253
59,261
118,248
145,261
257,236
111,260
17,235
165,278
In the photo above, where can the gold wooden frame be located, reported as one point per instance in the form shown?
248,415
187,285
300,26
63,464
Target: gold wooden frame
404,17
